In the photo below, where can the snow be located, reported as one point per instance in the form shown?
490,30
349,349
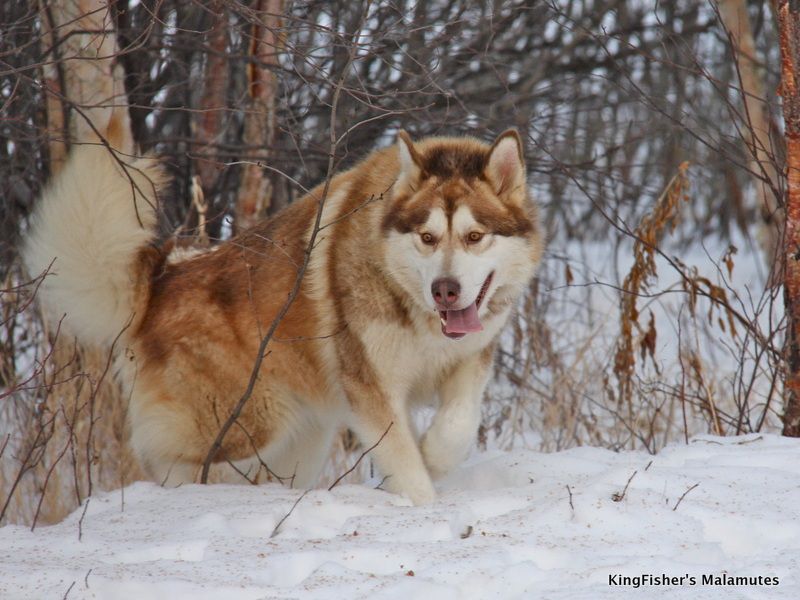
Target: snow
502,527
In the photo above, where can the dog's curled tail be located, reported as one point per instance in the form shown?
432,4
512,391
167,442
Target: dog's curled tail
90,237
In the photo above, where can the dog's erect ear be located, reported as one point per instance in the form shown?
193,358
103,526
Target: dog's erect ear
410,160
505,167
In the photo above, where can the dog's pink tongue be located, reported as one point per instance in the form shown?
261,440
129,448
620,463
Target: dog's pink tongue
463,321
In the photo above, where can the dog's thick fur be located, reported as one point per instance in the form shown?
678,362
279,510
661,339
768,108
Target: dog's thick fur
364,342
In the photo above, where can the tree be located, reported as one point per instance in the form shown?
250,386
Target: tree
762,161
789,24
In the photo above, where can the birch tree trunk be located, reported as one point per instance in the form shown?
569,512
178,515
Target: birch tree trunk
761,157
86,90
255,190
208,126
789,25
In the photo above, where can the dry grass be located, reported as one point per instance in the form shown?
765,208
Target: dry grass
571,373
66,437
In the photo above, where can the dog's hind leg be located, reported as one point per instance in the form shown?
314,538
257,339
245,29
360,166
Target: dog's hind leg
172,474
164,441
299,460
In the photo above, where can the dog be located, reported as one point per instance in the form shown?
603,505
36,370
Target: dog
422,251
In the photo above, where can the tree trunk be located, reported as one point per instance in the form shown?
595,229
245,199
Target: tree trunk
756,128
210,119
789,25
57,108
255,189
87,98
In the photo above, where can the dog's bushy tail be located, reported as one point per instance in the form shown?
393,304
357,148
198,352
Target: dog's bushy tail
90,235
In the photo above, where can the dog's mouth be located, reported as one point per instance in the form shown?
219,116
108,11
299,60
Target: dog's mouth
458,323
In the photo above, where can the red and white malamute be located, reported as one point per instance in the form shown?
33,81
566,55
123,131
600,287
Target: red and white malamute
425,248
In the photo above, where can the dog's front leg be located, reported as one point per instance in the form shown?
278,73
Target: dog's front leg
451,435
397,456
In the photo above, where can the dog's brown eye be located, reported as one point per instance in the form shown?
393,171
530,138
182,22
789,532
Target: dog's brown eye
474,237
427,238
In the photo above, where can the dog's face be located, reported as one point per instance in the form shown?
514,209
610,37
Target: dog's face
462,233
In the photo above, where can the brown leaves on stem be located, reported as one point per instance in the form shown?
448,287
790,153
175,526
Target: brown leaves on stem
647,234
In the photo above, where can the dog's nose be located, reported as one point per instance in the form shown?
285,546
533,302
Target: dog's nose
445,291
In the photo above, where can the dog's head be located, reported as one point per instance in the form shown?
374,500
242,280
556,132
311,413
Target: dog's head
463,235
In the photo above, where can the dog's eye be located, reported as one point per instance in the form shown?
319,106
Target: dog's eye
427,238
474,237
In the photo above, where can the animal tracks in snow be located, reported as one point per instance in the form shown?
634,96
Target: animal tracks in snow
504,526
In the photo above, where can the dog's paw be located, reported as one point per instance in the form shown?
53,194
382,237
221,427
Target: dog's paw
421,495
418,489
439,457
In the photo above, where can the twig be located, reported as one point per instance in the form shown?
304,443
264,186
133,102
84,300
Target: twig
616,496
201,206
262,464
69,589
122,492
756,439
571,505
360,458
80,521
674,508
5,444
47,478
30,460
288,514
169,472
93,396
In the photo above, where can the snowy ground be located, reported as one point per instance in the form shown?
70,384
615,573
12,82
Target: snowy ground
502,528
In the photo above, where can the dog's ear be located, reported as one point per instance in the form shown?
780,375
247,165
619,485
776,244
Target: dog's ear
410,161
505,167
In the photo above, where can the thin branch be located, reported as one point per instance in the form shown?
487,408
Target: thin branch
617,496
674,508
360,458
287,515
